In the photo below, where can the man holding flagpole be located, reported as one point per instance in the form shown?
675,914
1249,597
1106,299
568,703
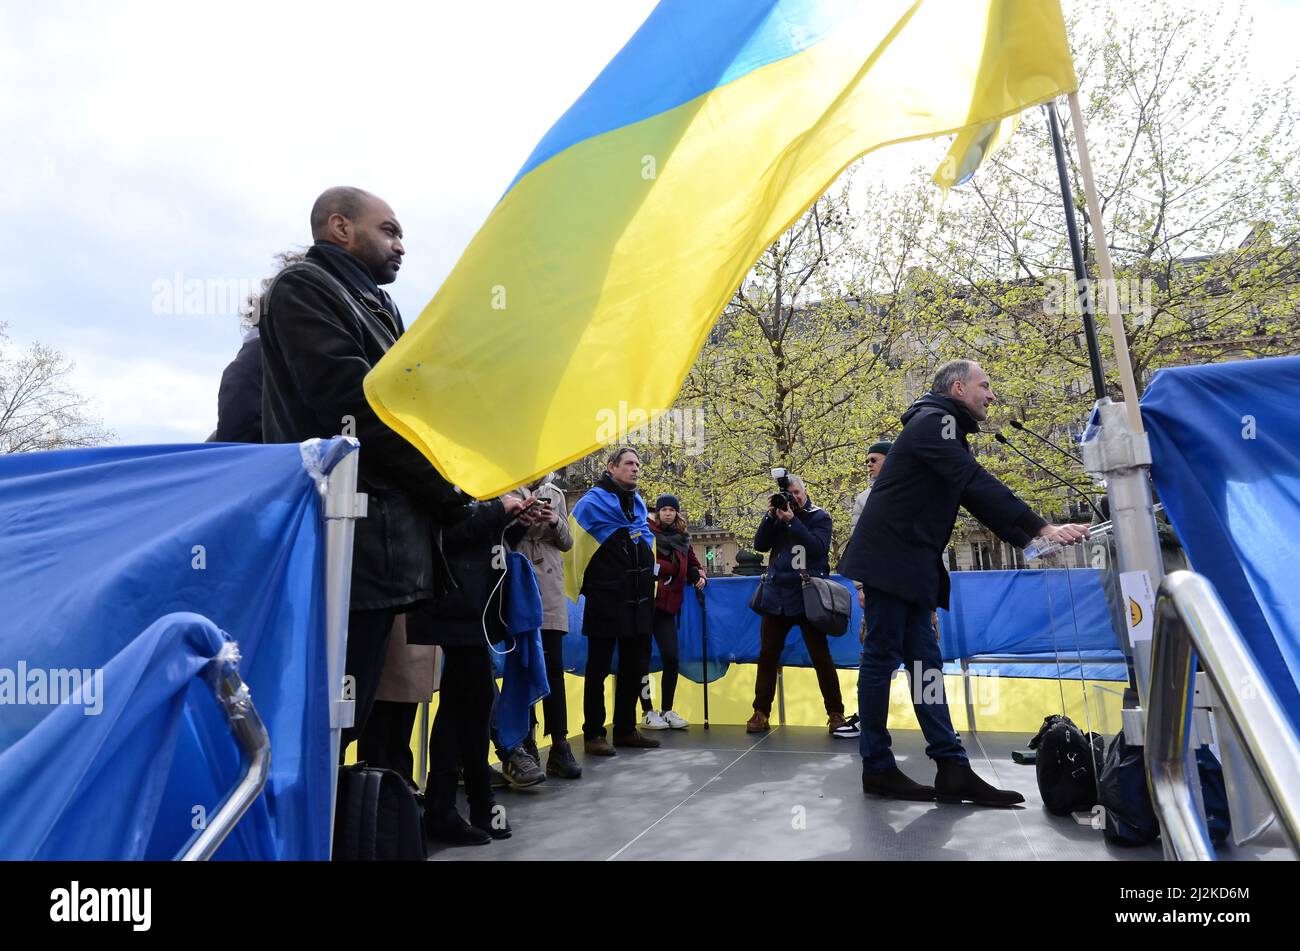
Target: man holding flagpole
613,561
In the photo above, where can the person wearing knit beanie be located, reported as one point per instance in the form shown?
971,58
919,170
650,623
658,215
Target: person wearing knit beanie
679,569
666,500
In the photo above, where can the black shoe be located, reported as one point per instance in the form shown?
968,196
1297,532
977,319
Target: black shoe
491,819
561,762
451,829
957,782
521,770
893,783
530,747
637,741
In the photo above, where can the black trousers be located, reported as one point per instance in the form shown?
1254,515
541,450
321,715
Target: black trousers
555,708
633,663
386,743
459,736
665,634
368,633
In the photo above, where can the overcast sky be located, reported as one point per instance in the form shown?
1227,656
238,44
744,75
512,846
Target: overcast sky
139,141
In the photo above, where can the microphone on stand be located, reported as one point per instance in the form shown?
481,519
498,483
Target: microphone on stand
1073,488
1016,424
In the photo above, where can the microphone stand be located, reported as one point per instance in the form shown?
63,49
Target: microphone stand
1016,424
1073,488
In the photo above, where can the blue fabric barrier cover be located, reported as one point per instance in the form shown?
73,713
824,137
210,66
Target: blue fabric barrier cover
1026,612
1225,449
61,784
98,545
994,612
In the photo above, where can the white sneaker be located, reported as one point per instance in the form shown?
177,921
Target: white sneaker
653,720
675,720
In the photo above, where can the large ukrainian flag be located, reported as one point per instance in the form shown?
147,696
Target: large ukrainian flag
598,275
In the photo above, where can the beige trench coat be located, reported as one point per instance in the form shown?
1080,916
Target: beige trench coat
410,670
544,545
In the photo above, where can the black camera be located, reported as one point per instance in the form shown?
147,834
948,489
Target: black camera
784,499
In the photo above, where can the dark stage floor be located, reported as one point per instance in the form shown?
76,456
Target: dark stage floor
793,793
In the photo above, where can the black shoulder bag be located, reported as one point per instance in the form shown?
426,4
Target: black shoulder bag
826,605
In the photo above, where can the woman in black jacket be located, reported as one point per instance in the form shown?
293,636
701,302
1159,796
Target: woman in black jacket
464,621
799,538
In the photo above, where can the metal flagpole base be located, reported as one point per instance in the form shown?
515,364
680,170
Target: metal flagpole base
1123,457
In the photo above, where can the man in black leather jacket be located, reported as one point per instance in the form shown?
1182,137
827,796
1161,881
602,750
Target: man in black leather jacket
325,322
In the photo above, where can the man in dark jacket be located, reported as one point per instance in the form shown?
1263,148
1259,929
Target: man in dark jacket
619,586
325,322
799,539
895,551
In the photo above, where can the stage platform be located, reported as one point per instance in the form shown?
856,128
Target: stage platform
793,793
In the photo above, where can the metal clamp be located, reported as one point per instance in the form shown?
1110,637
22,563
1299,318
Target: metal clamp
1116,447
222,673
343,506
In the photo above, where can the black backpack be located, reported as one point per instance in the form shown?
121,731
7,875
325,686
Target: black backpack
377,817
1067,765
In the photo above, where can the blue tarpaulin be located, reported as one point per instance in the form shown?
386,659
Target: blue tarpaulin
1027,612
1225,449
100,551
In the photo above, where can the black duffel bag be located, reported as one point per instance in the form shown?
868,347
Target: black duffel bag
1067,765
826,605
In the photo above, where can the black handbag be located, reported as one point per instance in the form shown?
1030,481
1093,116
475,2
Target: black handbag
827,605
756,599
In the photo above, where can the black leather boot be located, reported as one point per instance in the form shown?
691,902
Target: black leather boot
442,823
893,783
561,762
957,782
490,817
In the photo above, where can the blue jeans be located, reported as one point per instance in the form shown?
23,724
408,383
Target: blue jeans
900,632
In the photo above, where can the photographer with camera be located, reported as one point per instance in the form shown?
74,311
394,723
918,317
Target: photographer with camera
798,535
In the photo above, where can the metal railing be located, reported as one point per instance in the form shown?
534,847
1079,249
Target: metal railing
236,702
1191,623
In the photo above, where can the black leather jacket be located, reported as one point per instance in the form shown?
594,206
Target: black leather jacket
321,335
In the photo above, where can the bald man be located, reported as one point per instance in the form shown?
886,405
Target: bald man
325,322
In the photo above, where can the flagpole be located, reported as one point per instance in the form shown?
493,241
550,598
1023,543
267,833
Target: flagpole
1081,283
1127,382
1121,452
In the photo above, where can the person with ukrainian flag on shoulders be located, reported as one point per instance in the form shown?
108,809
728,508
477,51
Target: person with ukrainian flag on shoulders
612,563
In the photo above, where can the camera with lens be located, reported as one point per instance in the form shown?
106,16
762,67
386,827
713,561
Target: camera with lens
784,499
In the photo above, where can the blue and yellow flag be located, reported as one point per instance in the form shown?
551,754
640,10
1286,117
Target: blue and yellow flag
595,517
641,211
